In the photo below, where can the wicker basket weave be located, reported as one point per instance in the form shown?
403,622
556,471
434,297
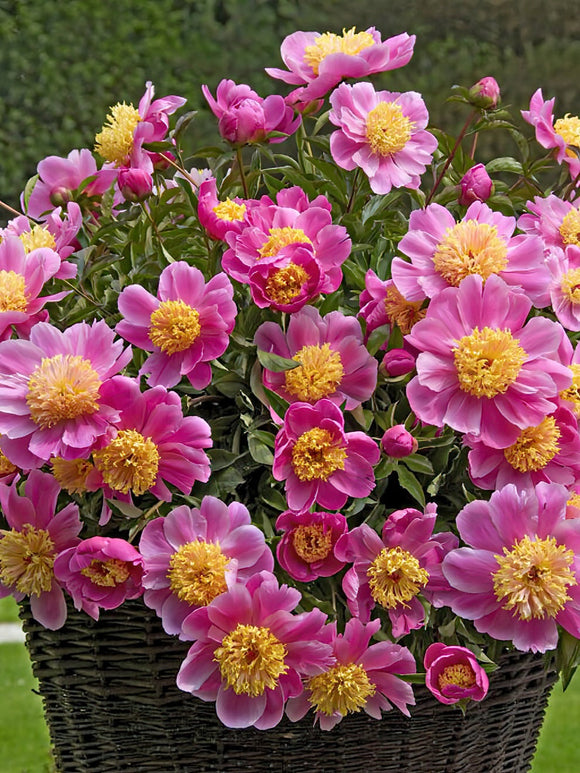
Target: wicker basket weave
111,704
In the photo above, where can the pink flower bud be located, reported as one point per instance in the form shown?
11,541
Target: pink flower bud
398,442
243,122
60,196
485,93
397,362
475,185
134,184
453,674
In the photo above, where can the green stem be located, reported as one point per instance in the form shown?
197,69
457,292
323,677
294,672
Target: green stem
451,156
353,191
242,173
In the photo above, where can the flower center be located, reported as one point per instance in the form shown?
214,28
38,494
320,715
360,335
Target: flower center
26,559
573,391
282,237
251,659
318,375
569,129
71,474
350,43
6,466
395,577
286,283
470,248
488,361
533,577
312,542
402,312
340,690
387,129
12,291
174,326
229,210
457,675
197,572
570,227
62,387
317,454
115,141
129,463
107,574
535,447
573,501
570,285
37,237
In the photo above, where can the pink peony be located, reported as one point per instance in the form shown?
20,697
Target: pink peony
453,674
219,217
194,554
561,135
398,442
555,221
485,93
383,133
397,362
250,653
475,185
288,281
134,184
306,550
381,304
564,287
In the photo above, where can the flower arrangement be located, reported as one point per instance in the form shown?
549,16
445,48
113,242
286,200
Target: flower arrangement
317,402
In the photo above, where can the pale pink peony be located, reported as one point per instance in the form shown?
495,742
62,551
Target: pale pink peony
560,135
564,266
555,221
306,550
453,674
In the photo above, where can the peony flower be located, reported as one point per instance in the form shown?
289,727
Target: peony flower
135,184
453,674
219,217
250,653
394,569
397,362
485,93
334,362
185,327
398,442
51,391
382,304
555,221
443,252
518,579
319,461
564,288
29,547
571,396
563,135
192,555
322,61
363,677
383,133
481,368
288,281
100,573
475,185
306,550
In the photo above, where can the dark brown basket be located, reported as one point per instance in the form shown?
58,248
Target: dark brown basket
111,704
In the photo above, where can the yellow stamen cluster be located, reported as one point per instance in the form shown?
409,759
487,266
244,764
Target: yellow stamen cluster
488,361
129,463
12,291
229,210
570,227
319,374
115,141
395,577
27,559
312,542
535,447
279,238
197,572
71,474
316,455
174,326
569,129
457,675
402,312
251,659
37,237
469,248
340,690
285,284
107,574
350,42
388,130
570,285
6,466
573,392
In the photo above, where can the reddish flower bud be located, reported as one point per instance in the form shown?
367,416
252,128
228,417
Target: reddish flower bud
398,442
134,184
475,185
485,93
397,362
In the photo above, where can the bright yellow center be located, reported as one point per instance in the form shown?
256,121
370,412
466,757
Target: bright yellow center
316,455
129,463
12,291
286,283
569,129
573,392
488,361
402,312
387,129
229,210
282,237
574,501
318,375
115,141
570,285
535,447
350,43
570,227
340,690
533,578
312,542
251,660
62,387
6,466
470,248
457,675
37,237
27,559
107,574
174,326
71,474
395,577
197,572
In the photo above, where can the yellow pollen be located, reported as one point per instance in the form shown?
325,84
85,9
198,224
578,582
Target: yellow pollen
312,542
107,574
197,572
570,285
229,210
395,577
282,237
115,141
470,248
350,43
174,326
340,690
286,283
533,578
27,559
574,501
62,387
251,660
6,466
458,675
317,454
573,392
129,463
535,447
71,474
37,237
12,291
387,129
569,129
570,227
488,361
319,374
402,312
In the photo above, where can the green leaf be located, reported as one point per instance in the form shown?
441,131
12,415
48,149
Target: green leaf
504,164
418,463
126,509
410,483
275,363
259,451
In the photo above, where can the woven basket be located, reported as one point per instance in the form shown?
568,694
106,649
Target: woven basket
111,704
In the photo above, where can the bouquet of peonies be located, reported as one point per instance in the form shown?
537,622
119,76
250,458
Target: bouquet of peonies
316,402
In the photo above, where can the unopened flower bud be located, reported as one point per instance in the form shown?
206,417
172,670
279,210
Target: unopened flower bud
485,93
135,184
60,196
398,442
475,185
397,362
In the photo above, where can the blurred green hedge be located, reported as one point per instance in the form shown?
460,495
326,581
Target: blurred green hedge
64,64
